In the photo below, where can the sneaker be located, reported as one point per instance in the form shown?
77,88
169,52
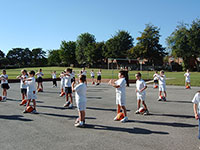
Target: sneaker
159,99
25,111
115,119
3,99
125,119
34,111
77,121
164,99
66,104
80,125
70,106
137,112
146,112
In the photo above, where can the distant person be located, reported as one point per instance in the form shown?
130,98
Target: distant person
120,86
62,84
39,75
155,80
126,76
98,77
23,86
81,100
187,79
141,93
54,79
31,91
196,107
92,76
73,79
4,84
162,86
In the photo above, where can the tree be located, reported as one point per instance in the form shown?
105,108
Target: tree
39,57
2,55
118,45
68,52
82,42
54,57
148,46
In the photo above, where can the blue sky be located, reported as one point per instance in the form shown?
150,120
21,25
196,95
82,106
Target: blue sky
45,23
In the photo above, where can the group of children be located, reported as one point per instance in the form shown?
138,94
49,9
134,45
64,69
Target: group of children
28,91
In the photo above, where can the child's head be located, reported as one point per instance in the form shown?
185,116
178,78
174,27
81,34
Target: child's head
82,78
162,72
54,71
156,71
40,70
187,70
138,76
4,71
121,74
99,70
68,70
31,73
24,72
92,70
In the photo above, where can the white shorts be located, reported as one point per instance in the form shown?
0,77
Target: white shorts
187,80
120,99
162,88
141,96
81,105
62,85
31,95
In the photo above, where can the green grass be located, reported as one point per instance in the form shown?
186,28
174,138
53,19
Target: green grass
178,78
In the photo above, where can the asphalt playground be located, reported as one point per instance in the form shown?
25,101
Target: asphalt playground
170,125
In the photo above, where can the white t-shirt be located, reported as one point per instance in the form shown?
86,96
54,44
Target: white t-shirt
31,85
155,76
84,73
140,84
122,83
68,80
196,100
73,74
92,74
53,75
161,79
80,92
22,85
4,81
40,74
187,76
98,73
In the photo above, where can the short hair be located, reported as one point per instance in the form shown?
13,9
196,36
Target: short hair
138,74
122,73
162,71
3,70
32,72
40,69
83,78
69,70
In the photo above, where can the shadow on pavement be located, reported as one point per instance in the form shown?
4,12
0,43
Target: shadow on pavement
128,130
184,102
14,117
103,109
172,115
172,124
92,97
19,100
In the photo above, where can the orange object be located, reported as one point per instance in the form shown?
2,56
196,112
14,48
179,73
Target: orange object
39,90
24,101
155,87
1,98
187,87
93,83
120,116
29,109
62,94
141,110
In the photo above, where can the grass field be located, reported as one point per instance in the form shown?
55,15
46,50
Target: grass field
177,78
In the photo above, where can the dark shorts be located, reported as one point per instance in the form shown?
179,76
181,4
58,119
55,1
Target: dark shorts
92,77
156,81
73,79
23,91
98,77
39,79
68,90
5,86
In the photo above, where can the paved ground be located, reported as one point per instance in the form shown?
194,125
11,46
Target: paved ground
170,126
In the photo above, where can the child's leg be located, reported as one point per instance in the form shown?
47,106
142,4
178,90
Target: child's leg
82,115
5,92
138,104
160,93
28,103
199,128
38,85
124,109
34,104
23,96
118,108
55,83
71,99
165,94
145,106
67,97
41,86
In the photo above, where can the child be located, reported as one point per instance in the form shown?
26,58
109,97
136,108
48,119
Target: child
120,86
99,77
4,84
187,79
141,93
54,79
155,80
39,75
31,91
162,86
92,76
23,86
196,107
81,100
68,88
73,79
62,84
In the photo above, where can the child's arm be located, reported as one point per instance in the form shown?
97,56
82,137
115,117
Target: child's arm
19,77
143,89
111,82
195,111
73,84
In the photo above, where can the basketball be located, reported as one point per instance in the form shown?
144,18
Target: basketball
187,87
23,102
141,110
39,90
29,109
0,98
120,116
155,87
62,94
